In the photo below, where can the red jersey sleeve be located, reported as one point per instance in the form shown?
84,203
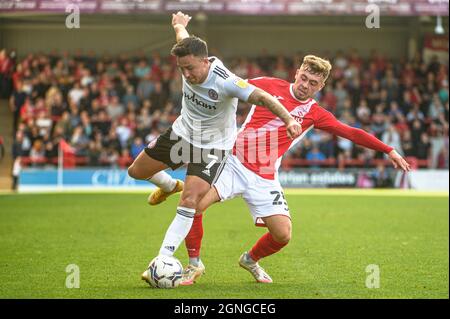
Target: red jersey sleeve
267,83
328,122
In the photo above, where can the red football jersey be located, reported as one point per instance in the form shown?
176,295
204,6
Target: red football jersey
262,139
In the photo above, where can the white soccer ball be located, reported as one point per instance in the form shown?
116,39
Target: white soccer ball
165,272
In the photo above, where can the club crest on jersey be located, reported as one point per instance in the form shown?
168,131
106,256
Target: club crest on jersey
213,94
299,116
241,83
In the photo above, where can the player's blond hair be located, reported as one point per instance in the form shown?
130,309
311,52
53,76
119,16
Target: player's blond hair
316,65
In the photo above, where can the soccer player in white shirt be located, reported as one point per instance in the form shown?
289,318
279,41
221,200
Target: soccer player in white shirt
204,133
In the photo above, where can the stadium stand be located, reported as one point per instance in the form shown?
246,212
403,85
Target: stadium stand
107,108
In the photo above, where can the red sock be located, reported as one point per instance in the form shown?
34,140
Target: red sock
265,246
193,240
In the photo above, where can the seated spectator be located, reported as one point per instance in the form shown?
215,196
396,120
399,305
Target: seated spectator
145,88
158,97
407,144
363,112
123,132
112,140
43,122
378,124
109,157
423,146
93,153
142,70
37,153
51,147
381,177
144,122
315,155
115,109
136,147
417,128
392,138
437,141
102,123
79,141
130,97
435,107
76,93
125,159
415,113
164,122
57,105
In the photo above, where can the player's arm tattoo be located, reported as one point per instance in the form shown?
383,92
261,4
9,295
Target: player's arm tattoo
262,98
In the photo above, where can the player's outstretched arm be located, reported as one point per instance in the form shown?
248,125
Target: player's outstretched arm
262,98
329,123
179,24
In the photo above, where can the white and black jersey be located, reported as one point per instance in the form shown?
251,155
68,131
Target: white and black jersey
208,113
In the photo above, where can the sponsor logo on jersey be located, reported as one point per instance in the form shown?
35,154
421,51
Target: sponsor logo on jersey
241,83
194,99
299,119
213,94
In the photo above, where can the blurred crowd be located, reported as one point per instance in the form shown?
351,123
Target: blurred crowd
108,108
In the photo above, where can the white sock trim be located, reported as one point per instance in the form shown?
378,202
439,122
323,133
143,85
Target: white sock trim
163,181
191,211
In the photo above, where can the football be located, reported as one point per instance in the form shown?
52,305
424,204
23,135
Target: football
165,272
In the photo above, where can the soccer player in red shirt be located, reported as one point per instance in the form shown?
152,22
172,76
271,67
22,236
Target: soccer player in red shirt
251,170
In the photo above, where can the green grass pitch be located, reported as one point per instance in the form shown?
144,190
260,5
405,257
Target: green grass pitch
112,237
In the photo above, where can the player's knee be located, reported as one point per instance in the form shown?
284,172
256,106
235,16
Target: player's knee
282,236
189,203
134,172
201,206
190,199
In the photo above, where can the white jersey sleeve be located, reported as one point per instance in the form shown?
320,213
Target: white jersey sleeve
234,86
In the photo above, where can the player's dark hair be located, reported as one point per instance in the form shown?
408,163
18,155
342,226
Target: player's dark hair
191,45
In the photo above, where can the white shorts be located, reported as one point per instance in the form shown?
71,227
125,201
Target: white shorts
264,197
